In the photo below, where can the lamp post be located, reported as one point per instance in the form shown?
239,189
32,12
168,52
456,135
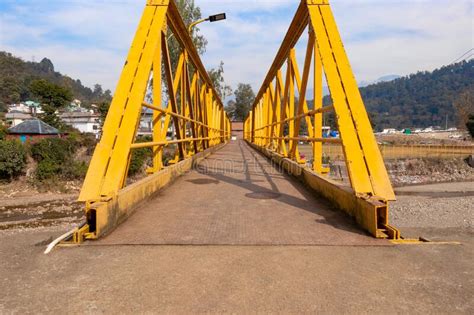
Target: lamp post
211,18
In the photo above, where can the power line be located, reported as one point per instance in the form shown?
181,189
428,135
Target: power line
459,59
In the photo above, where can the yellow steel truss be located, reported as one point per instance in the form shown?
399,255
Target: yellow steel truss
193,109
275,107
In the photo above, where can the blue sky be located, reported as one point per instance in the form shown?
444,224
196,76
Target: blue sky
89,40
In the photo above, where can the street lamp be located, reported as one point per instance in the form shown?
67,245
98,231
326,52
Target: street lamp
211,18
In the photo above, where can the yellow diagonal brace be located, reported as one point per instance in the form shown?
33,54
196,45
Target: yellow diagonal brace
356,164
376,167
107,169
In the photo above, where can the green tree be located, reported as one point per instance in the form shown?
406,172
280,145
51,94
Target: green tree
55,157
190,13
3,131
470,125
140,157
217,77
464,106
103,110
52,97
10,91
244,98
12,159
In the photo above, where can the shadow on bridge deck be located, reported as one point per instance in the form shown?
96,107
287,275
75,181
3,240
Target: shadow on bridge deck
237,197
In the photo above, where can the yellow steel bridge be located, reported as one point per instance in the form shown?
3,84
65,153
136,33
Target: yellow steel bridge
236,190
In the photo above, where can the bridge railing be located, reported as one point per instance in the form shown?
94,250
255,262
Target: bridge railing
281,108
187,115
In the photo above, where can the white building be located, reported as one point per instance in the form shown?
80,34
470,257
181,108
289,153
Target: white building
85,122
28,107
145,128
390,131
14,117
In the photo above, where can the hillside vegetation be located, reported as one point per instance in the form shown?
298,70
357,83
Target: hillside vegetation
17,75
419,100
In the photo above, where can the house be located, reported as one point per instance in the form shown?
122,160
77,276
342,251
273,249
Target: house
75,106
14,117
35,107
85,122
145,127
146,122
19,108
31,130
28,107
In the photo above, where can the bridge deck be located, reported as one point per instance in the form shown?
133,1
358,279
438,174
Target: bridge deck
237,197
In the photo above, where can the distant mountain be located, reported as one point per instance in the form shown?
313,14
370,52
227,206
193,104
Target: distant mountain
419,100
388,78
16,76
385,78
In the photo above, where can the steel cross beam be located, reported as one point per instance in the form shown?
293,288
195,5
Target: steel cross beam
274,122
194,111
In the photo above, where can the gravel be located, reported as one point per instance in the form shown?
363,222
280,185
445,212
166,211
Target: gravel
447,205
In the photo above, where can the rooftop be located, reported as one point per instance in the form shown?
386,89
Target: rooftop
34,126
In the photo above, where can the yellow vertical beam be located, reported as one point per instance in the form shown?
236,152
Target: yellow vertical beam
268,113
281,110
209,115
247,126
222,124
277,112
302,90
291,104
190,110
318,117
157,128
263,115
259,125
202,109
273,102
271,95
199,107
215,120
183,108
251,126
284,108
299,85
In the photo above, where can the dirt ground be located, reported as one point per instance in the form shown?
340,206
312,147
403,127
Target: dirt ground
460,138
33,209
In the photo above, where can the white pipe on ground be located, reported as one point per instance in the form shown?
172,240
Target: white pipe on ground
59,239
